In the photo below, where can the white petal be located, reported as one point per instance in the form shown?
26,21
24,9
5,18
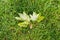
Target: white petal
19,14
18,18
24,13
34,13
31,16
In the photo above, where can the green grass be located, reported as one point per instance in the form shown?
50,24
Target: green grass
48,29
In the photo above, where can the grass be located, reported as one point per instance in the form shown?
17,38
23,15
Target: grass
48,29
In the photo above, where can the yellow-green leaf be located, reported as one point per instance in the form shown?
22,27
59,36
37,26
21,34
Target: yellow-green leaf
40,18
23,24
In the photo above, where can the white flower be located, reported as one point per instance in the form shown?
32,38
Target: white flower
26,17
34,16
23,16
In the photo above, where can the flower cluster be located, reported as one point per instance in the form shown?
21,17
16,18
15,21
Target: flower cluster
26,20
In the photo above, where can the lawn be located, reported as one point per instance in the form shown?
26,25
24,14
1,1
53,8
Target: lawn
47,29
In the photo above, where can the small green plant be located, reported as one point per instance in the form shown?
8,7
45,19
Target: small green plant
29,20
